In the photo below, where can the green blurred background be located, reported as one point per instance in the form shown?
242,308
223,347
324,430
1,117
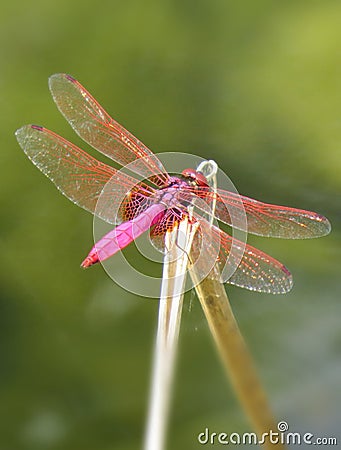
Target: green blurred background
254,85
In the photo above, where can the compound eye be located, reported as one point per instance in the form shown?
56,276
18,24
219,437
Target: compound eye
201,179
190,173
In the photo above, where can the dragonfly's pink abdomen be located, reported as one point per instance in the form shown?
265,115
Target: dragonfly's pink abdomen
123,235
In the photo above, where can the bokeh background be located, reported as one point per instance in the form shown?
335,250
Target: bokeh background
254,85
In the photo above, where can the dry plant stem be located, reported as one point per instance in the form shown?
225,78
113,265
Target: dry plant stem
235,355
170,308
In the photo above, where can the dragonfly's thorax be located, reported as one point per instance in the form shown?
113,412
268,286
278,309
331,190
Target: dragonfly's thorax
169,195
177,183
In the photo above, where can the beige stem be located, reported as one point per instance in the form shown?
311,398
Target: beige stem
179,242
235,355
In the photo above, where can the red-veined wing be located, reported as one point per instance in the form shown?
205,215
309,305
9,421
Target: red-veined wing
250,268
79,176
95,126
265,219
255,271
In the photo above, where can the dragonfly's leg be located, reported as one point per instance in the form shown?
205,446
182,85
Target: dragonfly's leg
179,246
186,251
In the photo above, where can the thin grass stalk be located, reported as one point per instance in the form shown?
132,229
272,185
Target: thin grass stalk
179,243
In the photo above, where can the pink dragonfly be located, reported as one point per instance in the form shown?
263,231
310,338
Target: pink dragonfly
160,200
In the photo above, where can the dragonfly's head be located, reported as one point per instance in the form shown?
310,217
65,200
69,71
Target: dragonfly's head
195,177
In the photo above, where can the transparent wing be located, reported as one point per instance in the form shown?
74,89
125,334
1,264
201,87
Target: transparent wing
264,219
251,268
95,126
256,270
79,176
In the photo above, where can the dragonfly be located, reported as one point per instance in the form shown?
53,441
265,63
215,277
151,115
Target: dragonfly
156,200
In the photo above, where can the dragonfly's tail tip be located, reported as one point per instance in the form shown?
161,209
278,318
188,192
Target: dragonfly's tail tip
88,261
